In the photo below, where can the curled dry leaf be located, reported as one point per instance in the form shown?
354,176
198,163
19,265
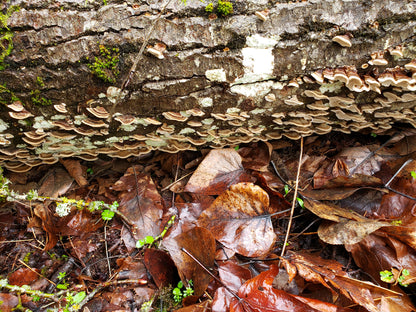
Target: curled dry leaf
161,267
76,171
220,169
258,295
240,219
201,244
330,274
140,202
256,156
347,231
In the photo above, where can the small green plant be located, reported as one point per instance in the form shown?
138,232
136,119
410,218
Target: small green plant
40,82
209,8
179,292
105,66
395,276
374,135
37,99
224,8
90,171
63,285
300,202
396,222
149,240
413,174
6,95
107,215
287,189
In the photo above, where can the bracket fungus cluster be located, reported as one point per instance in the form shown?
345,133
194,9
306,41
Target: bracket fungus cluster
371,97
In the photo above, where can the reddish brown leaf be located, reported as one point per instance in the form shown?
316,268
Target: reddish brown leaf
258,295
161,267
382,252
256,156
8,302
233,275
75,169
201,244
140,202
23,276
240,219
330,274
220,169
131,269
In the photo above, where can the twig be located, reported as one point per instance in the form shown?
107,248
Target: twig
210,273
398,171
106,249
294,199
176,181
139,56
371,154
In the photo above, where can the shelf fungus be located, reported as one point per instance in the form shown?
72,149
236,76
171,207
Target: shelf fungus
346,99
343,40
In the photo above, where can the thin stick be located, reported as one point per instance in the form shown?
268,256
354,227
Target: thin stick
398,171
294,199
139,56
106,248
212,275
176,181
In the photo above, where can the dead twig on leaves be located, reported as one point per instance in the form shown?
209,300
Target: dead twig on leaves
294,199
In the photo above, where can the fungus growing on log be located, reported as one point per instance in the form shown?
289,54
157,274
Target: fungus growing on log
265,85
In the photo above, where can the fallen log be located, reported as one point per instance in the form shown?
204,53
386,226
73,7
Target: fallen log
269,69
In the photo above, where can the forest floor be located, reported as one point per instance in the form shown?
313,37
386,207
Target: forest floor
249,228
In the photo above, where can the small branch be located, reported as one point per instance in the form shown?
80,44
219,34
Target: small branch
210,273
294,199
146,40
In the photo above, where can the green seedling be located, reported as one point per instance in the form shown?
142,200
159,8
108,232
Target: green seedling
179,293
388,277
413,174
150,240
224,7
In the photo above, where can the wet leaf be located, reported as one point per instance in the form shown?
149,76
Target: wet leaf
379,252
240,219
330,274
140,202
55,183
220,169
256,156
201,244
258,295
8,302
23,276
161,267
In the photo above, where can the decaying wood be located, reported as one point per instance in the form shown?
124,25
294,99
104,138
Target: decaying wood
270,69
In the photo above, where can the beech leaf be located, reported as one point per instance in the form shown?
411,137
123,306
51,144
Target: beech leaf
220,169
240,219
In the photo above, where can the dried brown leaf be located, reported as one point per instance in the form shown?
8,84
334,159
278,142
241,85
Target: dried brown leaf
347,231
201,244
240,219
220,169
140,202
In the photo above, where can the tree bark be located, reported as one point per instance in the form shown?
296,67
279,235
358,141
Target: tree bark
220,81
